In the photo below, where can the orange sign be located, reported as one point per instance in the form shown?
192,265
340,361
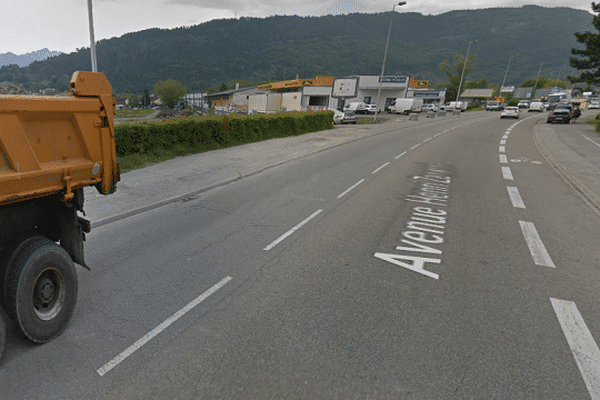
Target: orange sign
421,83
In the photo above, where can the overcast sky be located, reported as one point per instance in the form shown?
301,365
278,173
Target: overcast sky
62,25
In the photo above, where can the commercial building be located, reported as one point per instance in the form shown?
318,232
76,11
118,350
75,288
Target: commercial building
420,89
392,87
236,100
477,96
294,95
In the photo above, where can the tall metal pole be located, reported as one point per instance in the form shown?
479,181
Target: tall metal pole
536,80
506,73
464,67
384,58
93,42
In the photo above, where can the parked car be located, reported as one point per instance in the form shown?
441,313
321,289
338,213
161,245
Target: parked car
371,108
345,117
594,104
510,112
428,107
559,115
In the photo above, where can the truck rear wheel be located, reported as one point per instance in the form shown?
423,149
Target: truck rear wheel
40,288
2,332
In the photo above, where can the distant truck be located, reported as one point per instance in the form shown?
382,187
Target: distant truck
558,97
493,105
536,106
405,106
50,149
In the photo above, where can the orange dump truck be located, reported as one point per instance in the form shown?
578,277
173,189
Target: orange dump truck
50,149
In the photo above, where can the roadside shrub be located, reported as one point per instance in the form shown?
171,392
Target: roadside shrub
212,132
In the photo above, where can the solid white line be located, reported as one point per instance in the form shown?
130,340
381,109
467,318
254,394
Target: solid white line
415,146
501,149
349,189
590,140
150,335
515,197
503,141
380,168
506,173
437,134
426,140
582,344
294,229
536,247
399,155
503,158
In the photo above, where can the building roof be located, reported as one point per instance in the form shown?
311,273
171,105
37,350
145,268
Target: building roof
298,83
477,93
231,91
522,92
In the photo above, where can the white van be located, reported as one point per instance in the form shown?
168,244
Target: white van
358,107
536,106
405,106
457,105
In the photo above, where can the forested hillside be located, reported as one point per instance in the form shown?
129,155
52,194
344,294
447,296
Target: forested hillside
280,47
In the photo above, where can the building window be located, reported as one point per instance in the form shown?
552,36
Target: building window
367,100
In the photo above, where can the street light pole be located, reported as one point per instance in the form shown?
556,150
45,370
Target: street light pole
464,68
384,58
536,79
93,42
506,73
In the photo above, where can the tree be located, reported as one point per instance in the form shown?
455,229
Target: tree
223,87
453,71
133,100
146,98
170,91
543,82
590,57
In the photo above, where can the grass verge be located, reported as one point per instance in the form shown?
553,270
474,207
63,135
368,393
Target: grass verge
133,113
136,161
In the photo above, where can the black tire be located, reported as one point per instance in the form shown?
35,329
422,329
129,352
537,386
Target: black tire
40,289
2,332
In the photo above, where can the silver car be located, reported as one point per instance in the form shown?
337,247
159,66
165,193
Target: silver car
510,112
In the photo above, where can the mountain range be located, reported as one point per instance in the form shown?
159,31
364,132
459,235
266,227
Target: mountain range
279,47
25,59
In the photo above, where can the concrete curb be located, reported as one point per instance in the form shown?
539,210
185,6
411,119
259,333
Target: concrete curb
579,173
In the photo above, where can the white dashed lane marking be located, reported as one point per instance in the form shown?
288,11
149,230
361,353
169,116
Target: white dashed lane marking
536,246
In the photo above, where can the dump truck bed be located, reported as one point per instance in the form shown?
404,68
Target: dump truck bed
54,145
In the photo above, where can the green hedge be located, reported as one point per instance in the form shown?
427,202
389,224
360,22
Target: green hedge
208,133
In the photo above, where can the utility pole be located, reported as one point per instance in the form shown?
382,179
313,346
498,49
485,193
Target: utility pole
506,73
536,79
93,42
384,58
464,67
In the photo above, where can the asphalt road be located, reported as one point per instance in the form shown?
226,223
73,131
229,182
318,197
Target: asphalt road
443,260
